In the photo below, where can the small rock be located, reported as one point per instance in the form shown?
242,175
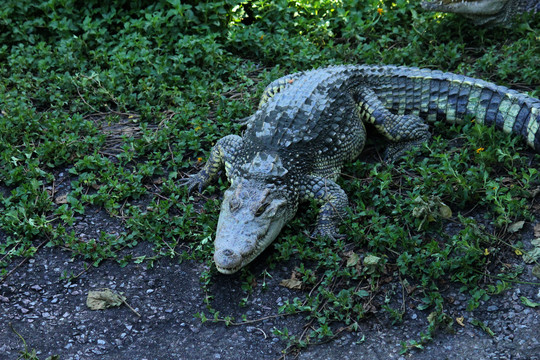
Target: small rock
101,342
493,308
36,288
194,329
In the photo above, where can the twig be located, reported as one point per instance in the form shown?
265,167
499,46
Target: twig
132,309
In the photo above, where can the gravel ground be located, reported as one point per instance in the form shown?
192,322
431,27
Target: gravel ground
52,317
51,314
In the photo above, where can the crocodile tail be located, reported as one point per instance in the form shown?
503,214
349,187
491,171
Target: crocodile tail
436,95
462,97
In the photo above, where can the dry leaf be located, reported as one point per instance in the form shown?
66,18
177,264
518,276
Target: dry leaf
445,211
460,320
292,283
62,199
536,271
534,254
515,227
537,230
103,299
352,259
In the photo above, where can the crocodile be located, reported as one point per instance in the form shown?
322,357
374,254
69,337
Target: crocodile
308,124
492,12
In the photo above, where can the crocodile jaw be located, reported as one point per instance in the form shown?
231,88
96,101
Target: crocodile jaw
243,231
236,247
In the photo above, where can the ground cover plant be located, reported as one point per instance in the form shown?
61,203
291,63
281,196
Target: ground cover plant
105,107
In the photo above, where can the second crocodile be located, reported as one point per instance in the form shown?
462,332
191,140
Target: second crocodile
310,123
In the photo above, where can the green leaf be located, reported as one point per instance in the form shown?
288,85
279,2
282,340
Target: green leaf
482,326
528,302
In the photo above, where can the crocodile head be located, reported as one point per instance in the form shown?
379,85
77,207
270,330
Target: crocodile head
252,214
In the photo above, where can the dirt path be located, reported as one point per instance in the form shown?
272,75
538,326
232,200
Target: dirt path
51,315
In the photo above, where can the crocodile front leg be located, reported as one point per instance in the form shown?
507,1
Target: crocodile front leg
404,131
333,200
223,155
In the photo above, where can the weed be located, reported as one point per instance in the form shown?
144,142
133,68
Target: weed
124,97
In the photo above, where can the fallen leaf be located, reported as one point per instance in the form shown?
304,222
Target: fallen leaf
372,263
460,320
536,271
292,283
371,260
537,229
103,299
62,199
352,259
445,211
528,302
534,254
515,227
482,326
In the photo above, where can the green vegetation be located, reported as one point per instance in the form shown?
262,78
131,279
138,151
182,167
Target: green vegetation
113,104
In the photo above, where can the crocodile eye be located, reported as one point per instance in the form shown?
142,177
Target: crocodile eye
262,209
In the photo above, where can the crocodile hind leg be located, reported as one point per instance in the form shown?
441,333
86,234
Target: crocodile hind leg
404,131
221,156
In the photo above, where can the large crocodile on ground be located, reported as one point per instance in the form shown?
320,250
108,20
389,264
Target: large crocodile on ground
493,12
310,123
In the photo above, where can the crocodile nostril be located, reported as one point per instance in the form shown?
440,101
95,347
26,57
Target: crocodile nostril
227,252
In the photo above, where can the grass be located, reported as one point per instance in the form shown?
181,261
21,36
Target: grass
113,104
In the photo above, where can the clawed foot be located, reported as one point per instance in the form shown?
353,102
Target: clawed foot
194,181
327,231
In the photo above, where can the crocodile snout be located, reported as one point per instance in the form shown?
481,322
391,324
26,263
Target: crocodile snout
227,261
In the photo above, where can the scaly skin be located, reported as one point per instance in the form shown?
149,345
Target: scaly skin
493,12
309,124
